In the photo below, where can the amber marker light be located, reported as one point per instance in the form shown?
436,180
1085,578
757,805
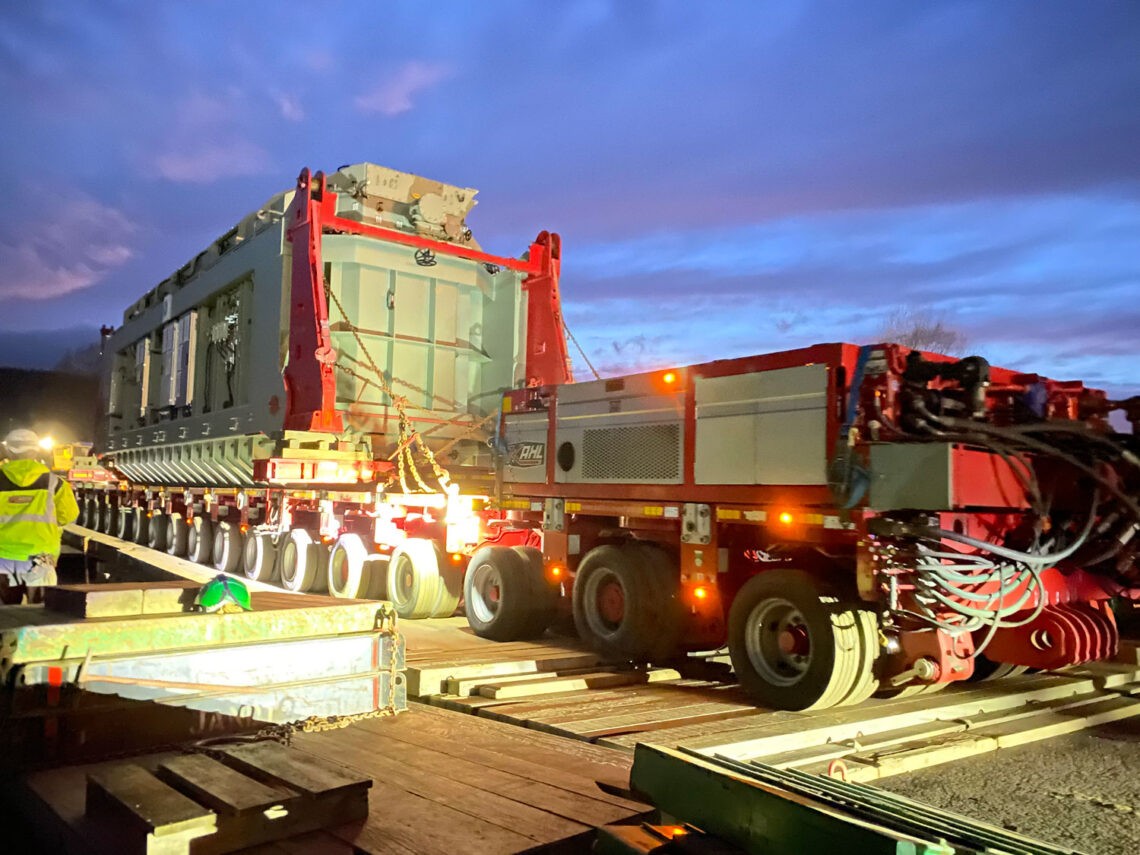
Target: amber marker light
701,593
556,571
456,557
786,518
669,378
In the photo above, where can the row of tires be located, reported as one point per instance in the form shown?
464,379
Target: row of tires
795,641
507,593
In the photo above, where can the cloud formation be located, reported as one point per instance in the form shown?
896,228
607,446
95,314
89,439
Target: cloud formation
63,251
728,177
394,95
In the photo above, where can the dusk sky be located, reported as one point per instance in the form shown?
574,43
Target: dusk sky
728,178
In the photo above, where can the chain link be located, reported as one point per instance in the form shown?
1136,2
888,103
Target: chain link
386,624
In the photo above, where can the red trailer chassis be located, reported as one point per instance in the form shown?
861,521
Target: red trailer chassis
847,520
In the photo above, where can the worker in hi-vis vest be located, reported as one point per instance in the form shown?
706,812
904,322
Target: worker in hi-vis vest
35,505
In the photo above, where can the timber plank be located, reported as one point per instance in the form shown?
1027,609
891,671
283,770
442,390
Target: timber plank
888,715
411,823
555,684
312,776
570,765
120,599
479,801
219,787
136,802
373,753
431,678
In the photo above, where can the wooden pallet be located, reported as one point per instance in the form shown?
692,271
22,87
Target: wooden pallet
234,798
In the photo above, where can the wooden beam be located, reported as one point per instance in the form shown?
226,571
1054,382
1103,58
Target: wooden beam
142,814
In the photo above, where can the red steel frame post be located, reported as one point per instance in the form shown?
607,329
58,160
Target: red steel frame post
310,376
547,359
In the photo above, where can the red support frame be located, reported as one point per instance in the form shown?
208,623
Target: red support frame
310,377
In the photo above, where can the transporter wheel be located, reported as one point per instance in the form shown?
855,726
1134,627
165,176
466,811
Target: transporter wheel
349,570
229,547
85,506
259,559
506,596
377,575
141,526
103,520
910,690
157,531
987,669
125,525
451,584
625,602
200,543
415,582
795,645
177,535
303,562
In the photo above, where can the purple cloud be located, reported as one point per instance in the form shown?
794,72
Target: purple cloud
394,94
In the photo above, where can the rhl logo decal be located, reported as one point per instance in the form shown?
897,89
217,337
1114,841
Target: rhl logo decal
527,454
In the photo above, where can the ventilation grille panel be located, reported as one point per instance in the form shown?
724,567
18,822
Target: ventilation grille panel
636,453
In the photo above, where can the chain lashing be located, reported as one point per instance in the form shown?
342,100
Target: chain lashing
386,625
405,460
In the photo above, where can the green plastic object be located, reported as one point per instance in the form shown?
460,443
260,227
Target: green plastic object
224,593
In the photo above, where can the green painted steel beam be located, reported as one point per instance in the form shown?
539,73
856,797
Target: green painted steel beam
26,637
756,816
774,811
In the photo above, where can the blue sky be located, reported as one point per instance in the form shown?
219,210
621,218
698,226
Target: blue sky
728,178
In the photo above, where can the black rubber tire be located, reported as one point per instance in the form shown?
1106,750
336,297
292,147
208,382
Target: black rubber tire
664,580
303,562
200,542
450,585
141,526
348,568
260,557
157,531
377,575
85,506
506,597
834,670
415,585
106,520
125,526
986,669
229,547
867,679
910,690
177,535
646,631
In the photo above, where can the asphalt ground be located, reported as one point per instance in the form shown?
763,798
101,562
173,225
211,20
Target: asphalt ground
1081,791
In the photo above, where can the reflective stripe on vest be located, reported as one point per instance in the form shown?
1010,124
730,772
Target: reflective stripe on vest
12,496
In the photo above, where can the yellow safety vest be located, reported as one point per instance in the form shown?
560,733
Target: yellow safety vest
34,506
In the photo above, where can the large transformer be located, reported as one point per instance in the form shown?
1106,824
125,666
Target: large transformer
311,398
198,393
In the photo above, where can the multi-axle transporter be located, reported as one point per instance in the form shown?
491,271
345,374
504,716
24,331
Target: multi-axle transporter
319,399
847,520
310,399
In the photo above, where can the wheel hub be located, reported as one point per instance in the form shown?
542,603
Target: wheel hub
611,602
778,641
